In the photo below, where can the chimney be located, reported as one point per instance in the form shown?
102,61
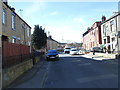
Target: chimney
103,18
5,1
50,37
13,9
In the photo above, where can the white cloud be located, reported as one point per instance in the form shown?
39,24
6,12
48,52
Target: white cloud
65,33
35,7
80,20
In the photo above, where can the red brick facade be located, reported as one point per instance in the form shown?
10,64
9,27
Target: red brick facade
92,37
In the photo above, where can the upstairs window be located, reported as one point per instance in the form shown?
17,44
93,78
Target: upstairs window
28,31
112,25
4,16
13,21
104,29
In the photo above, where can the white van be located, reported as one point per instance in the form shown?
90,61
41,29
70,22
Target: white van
67,50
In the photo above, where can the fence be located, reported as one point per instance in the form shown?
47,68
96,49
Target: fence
14,53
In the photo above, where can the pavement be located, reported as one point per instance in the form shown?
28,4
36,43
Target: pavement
100,56
28,80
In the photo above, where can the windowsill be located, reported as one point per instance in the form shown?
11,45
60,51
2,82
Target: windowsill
3,23
13,29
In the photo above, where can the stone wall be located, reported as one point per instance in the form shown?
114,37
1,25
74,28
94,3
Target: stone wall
12,73
37,59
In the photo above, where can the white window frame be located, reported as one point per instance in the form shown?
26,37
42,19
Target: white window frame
28,31
112,25
3,15
14,39
13,21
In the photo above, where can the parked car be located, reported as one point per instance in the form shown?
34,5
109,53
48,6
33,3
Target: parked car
73,51
67,50
97,49
52,54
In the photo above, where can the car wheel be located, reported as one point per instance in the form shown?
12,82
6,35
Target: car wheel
47,59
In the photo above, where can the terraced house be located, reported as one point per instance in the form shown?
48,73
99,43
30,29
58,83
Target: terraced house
14,28
92,37
15,40
51,43
109,30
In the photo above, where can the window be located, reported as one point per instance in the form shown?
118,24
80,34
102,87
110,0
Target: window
108,39
112,25
113,39
28,31
104,41
3,16
13,21
14,39
105,29
28,43
18,40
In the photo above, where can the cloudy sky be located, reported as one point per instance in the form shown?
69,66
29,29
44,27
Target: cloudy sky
66,21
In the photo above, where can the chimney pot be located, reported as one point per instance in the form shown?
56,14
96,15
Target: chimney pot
103,18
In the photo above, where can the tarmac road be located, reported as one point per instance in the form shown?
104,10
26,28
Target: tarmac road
70,72
79,72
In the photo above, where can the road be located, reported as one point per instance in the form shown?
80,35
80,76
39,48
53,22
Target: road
73,72
79,72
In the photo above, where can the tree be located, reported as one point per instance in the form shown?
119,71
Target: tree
39,37
81,44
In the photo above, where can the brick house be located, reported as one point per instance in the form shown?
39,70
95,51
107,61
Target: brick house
14,28
15,43
92,37
51,43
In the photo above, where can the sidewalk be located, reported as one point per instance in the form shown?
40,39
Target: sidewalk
32,77
100,56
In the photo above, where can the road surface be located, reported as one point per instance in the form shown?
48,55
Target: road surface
71,72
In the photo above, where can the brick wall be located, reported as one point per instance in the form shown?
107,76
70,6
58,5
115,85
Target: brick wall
93,37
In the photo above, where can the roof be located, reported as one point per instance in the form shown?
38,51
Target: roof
52,39
16,13
111,17
97,22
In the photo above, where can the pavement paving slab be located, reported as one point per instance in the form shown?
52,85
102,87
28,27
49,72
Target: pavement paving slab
100,56
27,80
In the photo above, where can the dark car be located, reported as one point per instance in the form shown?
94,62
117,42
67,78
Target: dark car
52,54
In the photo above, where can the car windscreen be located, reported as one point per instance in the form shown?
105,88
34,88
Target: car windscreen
74,50
67,48
52,51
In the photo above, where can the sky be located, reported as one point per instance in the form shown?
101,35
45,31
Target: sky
66,21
